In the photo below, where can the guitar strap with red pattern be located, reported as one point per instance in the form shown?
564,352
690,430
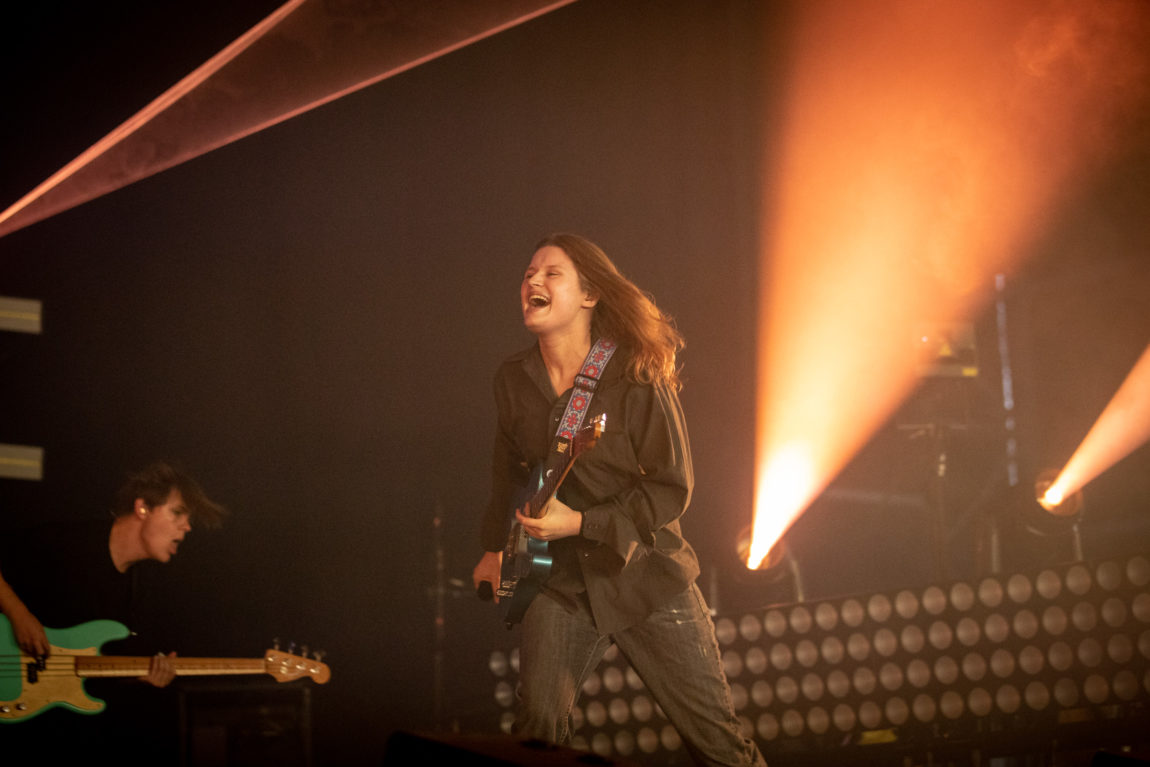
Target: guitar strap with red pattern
585,383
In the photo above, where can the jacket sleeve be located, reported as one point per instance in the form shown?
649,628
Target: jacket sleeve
657,486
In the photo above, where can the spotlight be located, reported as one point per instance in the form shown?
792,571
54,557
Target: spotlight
772,564
778,566
1055,513
1051,496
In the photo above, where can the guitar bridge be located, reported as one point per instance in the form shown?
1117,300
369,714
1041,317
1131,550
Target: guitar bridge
507,588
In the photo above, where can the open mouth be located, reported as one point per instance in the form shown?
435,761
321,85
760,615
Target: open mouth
538,301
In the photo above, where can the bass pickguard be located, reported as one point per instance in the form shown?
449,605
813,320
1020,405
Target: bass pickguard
26,690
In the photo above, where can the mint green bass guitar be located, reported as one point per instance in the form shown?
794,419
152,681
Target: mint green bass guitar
29,686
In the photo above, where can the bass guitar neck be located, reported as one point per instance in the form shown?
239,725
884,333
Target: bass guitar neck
279,665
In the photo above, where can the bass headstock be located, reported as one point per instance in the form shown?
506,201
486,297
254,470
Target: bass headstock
286,667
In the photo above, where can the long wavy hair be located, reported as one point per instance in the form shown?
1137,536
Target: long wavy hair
624,313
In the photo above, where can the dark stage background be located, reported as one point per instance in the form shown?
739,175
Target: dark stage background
308,319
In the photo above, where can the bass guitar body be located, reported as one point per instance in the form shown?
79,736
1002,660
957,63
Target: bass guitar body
29,687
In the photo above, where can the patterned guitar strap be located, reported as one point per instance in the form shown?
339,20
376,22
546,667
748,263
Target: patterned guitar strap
585,383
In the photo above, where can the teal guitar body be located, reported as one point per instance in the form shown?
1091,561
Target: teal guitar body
29,687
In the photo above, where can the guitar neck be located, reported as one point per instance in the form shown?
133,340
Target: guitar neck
119,665
584,440
550,485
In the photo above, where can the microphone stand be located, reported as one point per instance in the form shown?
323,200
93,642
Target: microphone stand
440,597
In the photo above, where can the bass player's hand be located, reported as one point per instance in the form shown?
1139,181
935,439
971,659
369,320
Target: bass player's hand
161,670
26,628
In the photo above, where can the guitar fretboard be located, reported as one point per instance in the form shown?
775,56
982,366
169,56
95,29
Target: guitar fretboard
550,484
584,439
119,665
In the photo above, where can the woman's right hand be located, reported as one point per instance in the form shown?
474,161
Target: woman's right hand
489,570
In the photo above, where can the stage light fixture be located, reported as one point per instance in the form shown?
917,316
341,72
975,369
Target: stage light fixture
778,569
1053,514
1051,497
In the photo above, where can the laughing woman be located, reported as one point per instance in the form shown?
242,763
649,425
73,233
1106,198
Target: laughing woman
621,572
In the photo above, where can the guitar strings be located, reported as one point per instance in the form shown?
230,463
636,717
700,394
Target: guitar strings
55,665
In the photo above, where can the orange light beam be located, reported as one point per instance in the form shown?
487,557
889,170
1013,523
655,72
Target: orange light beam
1122,428
304,55
133,124
922,147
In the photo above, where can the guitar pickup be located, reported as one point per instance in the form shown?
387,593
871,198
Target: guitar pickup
35,666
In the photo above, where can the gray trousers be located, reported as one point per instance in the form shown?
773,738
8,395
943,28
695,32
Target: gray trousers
674,652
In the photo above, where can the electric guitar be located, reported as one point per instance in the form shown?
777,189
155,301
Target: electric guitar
526,560
29,686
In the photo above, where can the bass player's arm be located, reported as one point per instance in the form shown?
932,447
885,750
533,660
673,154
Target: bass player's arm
27,630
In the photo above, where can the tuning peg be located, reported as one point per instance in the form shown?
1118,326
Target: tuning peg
303,651
276,643
291,648
319,654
